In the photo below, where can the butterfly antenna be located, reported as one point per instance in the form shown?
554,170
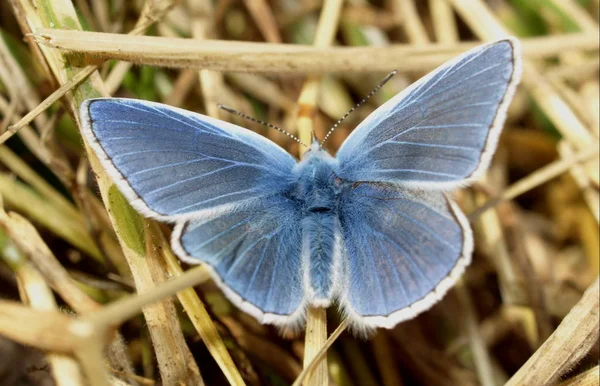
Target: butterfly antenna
369,95
292,136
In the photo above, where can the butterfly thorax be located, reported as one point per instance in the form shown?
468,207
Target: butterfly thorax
317,187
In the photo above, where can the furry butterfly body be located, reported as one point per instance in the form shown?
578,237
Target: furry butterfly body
371,228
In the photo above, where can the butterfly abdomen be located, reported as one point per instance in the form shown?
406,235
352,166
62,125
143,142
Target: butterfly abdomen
320,257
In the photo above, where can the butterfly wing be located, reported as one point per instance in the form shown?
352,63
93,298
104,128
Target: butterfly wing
223,186
172,164
404,248
442,130
256,253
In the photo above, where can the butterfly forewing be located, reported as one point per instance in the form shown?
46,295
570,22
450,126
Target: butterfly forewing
440,131
173,164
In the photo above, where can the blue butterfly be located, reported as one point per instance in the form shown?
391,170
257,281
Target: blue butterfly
371,228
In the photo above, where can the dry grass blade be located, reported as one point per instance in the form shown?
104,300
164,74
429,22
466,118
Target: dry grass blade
29,242
567,345
481,356
285,58
25,236
149,16
563,117
444,24
317,359
35,292
117,312
587,378
537,178
20,168
264,19
71,229
8,116
56,95
406,11
161,317
46,330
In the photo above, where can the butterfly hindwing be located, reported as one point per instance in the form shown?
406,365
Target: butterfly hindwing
442,130
173,164
256,253
403,250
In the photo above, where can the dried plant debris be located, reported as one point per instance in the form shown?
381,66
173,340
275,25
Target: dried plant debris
90,291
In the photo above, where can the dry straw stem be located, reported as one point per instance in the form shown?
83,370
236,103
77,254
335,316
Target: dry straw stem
56,332
150,14
560,113
538,178
20,168
115,313
25,236
383,354
126,222
265,20
406,11
444,23
153,11
318,358
18,85
587,378
211,82
316,323
21,197
49,101
45,330
36,293
286,58
569,343
590,194
28,135
177,365
578,14
478,346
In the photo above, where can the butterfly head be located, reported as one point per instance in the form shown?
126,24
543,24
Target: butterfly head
314,149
